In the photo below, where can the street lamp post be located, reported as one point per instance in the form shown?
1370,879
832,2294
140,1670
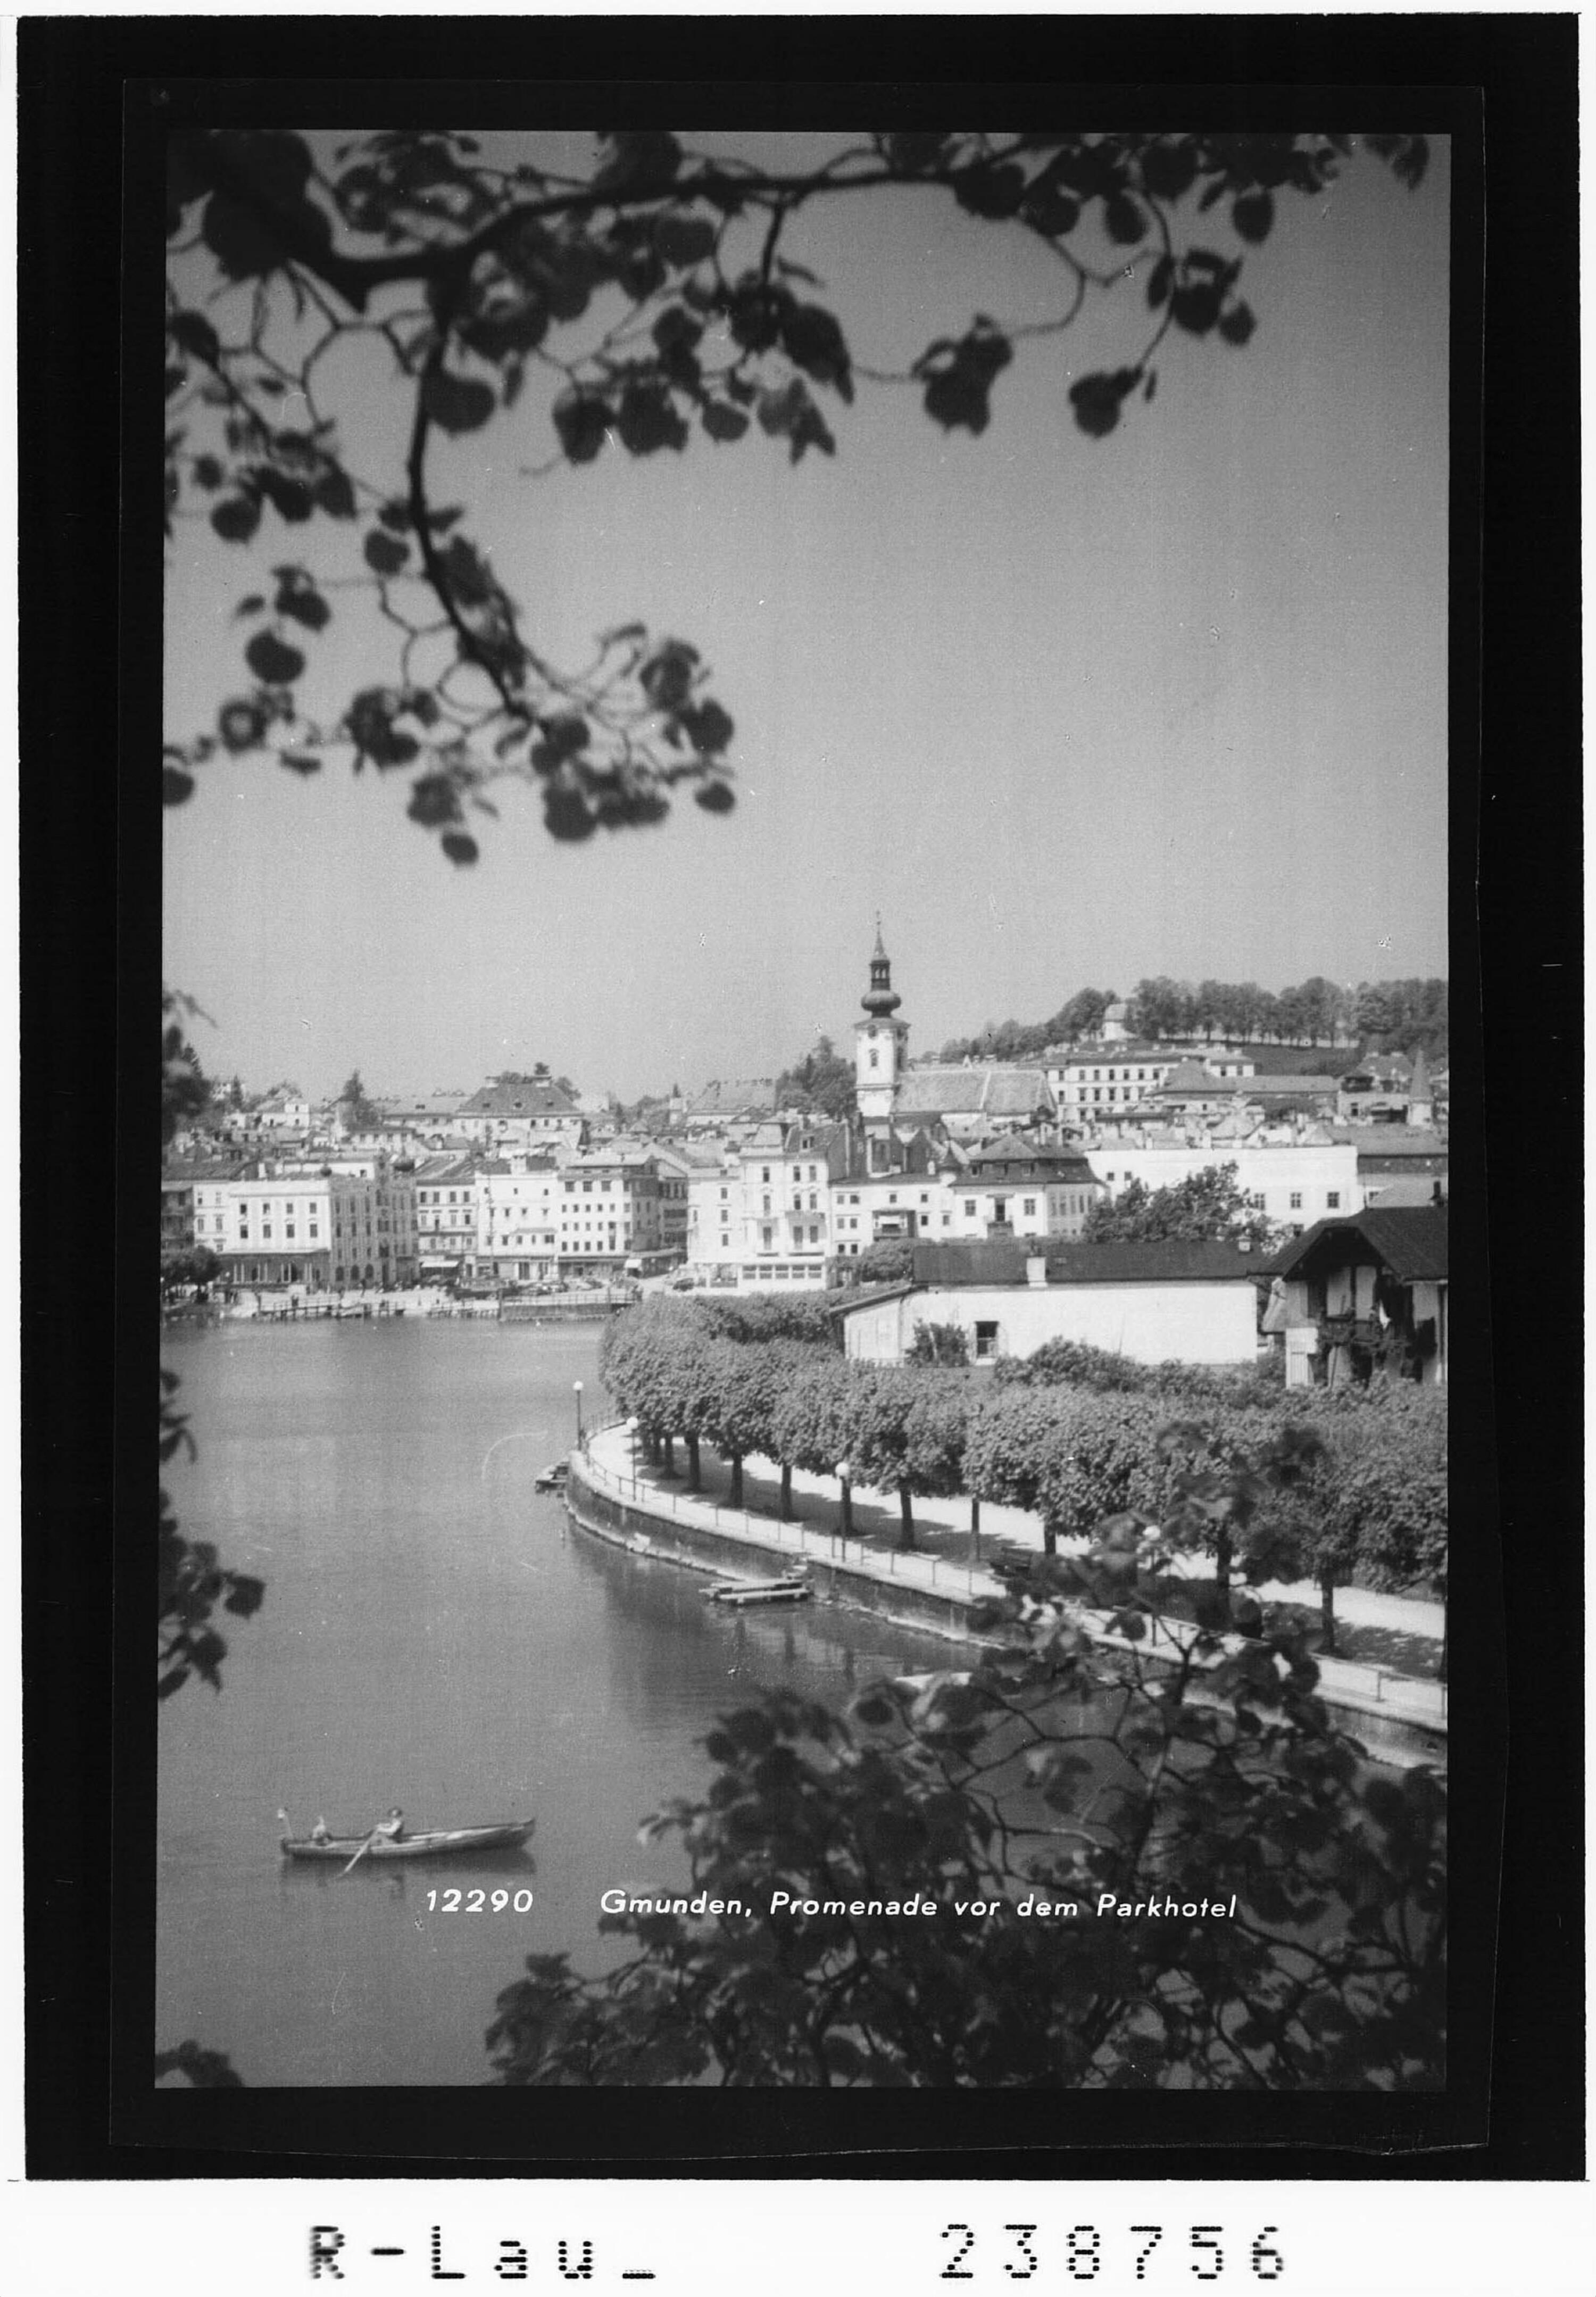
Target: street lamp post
576,1389
844,1475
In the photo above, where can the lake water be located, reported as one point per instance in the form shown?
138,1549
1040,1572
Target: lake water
434,1634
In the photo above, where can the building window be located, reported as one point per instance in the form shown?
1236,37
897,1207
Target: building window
969,1208
1334,1200
986,1342
1030,1204
1296,1200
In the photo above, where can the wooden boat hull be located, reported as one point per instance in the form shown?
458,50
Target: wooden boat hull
786,1590
439,1842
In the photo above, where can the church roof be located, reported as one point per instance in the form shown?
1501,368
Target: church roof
975,1088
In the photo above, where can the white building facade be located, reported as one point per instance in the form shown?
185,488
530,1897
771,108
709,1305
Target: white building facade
324,1231
1292,1183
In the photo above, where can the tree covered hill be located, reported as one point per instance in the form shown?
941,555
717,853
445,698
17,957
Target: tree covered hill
1314,1015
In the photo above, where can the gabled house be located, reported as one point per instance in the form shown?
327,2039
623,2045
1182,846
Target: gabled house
1364,1295
1192,1302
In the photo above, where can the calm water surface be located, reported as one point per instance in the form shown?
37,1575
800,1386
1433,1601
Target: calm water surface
434,1634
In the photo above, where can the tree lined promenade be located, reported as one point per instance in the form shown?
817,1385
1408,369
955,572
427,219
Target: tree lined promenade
950,1472
1117,1848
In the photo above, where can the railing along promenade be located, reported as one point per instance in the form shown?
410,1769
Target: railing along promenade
943,1589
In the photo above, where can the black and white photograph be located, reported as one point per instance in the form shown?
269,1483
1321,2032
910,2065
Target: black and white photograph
858,818
806,1107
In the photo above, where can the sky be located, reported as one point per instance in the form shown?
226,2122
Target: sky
1064,711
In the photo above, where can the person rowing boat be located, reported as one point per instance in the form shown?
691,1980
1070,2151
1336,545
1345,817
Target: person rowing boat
386,1829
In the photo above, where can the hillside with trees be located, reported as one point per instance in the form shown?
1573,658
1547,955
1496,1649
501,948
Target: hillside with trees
821,1081
1376,1015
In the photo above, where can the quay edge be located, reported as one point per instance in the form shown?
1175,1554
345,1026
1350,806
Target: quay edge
1391,1737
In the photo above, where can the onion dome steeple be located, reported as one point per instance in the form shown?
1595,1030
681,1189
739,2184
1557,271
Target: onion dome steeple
880,998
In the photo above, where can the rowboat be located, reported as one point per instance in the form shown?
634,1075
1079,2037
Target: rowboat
435,1842
553,1477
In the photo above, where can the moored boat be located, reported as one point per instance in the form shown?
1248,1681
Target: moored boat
429,1842
791,1588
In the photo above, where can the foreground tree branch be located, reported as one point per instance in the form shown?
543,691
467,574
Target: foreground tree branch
655,298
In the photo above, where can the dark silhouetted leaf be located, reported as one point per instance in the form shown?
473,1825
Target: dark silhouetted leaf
708,728
683,239
813,341
305,605
1049,208
433,801
335,495
196,332
582,421
457,402
1252,215
1236,324
646,419
272,661
567,815
290,497
722,422
300,761
991,190
461,849
1197,308
385,553
241,243
1124,221
715,797
1097,399
176,786
235,518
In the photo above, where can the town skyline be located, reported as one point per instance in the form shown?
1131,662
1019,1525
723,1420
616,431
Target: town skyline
1061,709
529,1062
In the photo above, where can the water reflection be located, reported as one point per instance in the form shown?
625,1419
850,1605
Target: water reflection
434,1635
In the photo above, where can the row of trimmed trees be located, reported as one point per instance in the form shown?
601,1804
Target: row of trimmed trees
1066,1436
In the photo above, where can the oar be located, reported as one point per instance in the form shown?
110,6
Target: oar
359,1854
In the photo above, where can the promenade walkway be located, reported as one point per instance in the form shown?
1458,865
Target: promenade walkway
1389,1645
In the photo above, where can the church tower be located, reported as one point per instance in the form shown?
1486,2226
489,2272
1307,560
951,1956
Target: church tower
880,1046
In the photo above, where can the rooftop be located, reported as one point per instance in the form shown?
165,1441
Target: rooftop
975,1088
518,1096
1002,1261
1410,1239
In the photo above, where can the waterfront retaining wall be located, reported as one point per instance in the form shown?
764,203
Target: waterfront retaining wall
693,1532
